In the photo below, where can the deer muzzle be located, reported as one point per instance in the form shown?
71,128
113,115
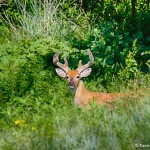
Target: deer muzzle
71,84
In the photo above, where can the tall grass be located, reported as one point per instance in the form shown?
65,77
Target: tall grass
44,19
63,126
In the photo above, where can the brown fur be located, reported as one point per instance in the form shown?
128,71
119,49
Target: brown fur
72,73
82,96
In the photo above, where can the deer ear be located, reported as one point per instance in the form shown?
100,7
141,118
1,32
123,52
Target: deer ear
85,72
61,72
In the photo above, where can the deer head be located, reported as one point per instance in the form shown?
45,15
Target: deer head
73,76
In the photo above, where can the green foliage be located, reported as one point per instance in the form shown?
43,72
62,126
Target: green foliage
116,53
64,126
36,108
131,16
131,68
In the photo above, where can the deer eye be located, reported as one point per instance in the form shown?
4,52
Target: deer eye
77,76
67,77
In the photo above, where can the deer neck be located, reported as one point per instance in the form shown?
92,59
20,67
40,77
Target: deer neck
78,92
77,89
80,88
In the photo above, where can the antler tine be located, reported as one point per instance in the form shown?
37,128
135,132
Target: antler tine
57,63
65,60
90,63
80,63
55,58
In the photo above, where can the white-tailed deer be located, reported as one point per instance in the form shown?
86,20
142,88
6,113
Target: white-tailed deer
81,95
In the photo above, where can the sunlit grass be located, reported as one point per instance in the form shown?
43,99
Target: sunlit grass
58,124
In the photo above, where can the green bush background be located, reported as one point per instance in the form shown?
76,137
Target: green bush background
36,108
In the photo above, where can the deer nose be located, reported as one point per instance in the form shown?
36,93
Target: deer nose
71,83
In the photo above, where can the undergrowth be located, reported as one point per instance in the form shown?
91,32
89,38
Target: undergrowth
36,108
39,122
